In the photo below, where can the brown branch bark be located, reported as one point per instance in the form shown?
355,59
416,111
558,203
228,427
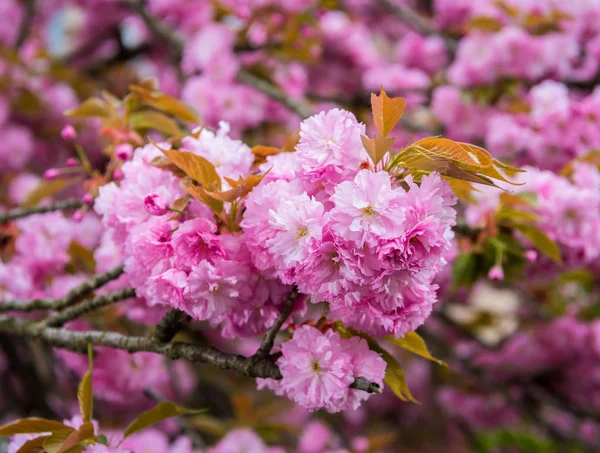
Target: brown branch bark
170,325
75,311
86,288
269,339
175,42
419,23
18,213
254,366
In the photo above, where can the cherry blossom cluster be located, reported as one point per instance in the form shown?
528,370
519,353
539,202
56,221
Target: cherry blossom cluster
319,368
568,209
351,238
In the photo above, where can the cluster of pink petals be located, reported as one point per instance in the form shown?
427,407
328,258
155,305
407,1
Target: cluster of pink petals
348,236
186,263
318,369
568,209
566,351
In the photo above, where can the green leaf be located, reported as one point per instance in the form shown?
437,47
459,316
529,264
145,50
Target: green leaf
158,413
395,378
394,374
47,189
465,270
196,167
92,107
31,425
200,194
165,103
413,342
455,151
516,215
540,240
33,446
63,442
155,120
377,148
84,392
386,111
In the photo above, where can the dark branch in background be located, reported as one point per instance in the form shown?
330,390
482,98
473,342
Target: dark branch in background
18,213
300,108
533,396
26,23
86,288
267,343
418,22
74,312
170,325
174,41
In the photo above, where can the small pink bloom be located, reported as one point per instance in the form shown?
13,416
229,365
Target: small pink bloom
496,273
154,204
51,173
123,151
68,133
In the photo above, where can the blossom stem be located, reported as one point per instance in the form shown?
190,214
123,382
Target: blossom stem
170,325
269,339
18,213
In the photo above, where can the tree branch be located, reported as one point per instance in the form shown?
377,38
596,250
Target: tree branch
18,213
74,312
170,325
25,27
267,343
300,108
86,288
418,22
254,366
175,41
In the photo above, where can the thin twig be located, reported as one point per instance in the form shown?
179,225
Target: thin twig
86,288
74,312
175,42
418,22
269,339
299,107
26,23
18,213
170,325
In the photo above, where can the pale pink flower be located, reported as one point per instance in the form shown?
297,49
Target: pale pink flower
315,368
368,209
195,240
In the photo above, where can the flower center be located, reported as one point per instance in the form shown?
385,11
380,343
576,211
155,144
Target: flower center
368,211
302,231
316,367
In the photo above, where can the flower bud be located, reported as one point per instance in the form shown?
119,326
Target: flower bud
72,162
88,199
123,151
68,133
51,173
496,273
78,216
531,256
155,204
118,174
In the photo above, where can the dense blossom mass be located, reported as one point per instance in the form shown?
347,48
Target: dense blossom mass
256,215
